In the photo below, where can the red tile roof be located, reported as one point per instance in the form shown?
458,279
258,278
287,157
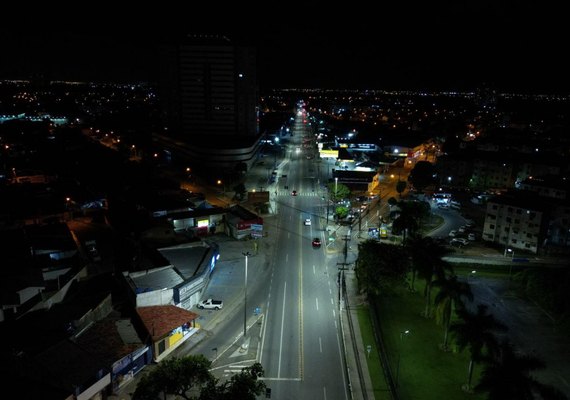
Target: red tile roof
159,321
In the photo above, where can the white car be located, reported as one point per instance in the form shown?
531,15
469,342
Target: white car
307,221
459,242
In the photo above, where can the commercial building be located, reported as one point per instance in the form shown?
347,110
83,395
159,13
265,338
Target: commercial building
209,99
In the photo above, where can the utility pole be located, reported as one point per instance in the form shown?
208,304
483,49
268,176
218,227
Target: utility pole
343,266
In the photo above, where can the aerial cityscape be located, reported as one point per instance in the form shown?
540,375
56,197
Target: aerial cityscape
294,211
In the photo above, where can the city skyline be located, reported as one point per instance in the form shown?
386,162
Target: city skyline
397,47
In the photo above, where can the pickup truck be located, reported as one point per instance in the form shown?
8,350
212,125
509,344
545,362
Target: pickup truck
211,304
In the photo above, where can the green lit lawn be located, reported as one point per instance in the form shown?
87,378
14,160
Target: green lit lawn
374,364
426,372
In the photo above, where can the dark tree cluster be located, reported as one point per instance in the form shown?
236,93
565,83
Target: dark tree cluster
190,378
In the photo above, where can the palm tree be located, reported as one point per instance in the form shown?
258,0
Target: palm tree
450,297
507,377
427,263
475,330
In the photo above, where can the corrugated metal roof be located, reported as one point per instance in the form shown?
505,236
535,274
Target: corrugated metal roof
156,279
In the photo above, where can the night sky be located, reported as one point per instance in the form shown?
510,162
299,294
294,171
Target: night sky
519,47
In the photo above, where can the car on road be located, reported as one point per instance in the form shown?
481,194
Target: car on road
307,221
316,242
294,193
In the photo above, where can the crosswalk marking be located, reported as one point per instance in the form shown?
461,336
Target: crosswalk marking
299,194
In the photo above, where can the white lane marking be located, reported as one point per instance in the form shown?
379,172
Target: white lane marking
287,257
282,325
324,392
317,302
264,327
340,360
320,344
314,270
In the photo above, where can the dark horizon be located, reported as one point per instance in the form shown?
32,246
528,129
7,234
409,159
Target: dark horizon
459,47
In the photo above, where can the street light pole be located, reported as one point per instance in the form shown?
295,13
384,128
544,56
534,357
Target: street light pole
400,355
328,201
246,254
335,188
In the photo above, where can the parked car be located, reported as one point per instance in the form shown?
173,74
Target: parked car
211,304
458,242
471,237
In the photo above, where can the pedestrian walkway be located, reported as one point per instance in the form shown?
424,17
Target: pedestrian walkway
355,349
283,192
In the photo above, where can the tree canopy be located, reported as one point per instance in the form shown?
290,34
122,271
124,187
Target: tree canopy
400,187
379,266
422,175
189,378
338,191
509,376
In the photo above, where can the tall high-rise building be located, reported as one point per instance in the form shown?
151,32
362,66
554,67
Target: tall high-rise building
209,96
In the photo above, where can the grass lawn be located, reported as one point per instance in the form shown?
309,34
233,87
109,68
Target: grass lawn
425,371
381,391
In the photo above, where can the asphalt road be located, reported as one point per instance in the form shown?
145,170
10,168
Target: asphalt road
301,348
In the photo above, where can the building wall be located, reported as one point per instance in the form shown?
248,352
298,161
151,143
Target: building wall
559,226
460,171
527,170
492,174
545,191
209,89
159,297
513,227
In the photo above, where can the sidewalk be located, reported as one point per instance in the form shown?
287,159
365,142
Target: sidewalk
354,348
